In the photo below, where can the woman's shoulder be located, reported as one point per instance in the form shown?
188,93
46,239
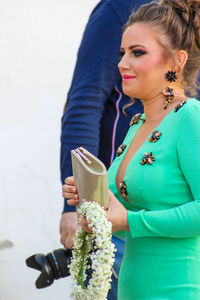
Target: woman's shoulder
189,107
192,104
190,112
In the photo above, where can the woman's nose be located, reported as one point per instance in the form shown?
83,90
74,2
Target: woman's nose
123,64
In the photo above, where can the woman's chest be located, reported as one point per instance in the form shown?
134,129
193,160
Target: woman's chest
141,136
152,176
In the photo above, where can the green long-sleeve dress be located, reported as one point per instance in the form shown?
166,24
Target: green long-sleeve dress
162,252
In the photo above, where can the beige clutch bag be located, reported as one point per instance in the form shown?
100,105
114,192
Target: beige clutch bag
90,177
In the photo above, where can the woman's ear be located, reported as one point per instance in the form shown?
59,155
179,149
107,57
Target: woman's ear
181,57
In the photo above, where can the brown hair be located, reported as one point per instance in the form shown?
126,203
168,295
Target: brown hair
179,21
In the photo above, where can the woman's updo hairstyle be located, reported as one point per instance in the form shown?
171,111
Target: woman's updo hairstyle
179,21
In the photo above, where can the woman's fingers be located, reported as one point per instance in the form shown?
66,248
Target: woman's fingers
84,225
72,202
69,195
70,180
69,190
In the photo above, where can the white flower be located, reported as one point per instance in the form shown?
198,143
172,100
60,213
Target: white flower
99,247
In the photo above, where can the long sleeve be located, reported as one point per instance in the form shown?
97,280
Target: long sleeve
182,221
94,78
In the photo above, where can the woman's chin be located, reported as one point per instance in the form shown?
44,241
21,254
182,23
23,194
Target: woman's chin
129,92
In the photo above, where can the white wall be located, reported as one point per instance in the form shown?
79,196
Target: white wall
38,45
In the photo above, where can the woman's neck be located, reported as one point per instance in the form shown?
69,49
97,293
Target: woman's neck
153,108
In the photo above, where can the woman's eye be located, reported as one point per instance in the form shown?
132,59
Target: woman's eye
121,54
138,53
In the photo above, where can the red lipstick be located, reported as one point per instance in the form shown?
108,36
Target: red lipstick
127,77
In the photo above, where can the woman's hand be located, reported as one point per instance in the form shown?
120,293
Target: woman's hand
117,214
85,225
70,191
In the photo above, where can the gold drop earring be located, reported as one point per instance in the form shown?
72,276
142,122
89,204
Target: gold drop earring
169,92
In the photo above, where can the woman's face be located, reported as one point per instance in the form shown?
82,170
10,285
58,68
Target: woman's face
144,62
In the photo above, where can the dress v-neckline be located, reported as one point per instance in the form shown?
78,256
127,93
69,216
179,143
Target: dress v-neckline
156,128
136,153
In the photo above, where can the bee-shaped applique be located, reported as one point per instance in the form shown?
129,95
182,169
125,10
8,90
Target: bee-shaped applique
155,136
120,149
178,106
148,159
123,188
135,119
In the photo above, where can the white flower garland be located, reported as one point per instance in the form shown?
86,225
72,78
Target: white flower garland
102,258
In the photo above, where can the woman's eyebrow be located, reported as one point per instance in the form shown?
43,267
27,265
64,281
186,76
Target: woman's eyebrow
134,46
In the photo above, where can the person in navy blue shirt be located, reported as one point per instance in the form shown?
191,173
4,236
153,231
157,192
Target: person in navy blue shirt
93,116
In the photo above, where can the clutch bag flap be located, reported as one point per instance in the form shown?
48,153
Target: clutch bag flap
90,176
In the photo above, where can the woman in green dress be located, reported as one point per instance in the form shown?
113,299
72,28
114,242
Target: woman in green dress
154,181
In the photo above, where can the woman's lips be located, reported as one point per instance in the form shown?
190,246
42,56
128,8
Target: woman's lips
127,77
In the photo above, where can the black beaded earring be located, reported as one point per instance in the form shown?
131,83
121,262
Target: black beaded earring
169,92
171,76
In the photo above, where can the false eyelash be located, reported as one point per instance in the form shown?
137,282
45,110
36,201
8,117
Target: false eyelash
138,53
121,54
